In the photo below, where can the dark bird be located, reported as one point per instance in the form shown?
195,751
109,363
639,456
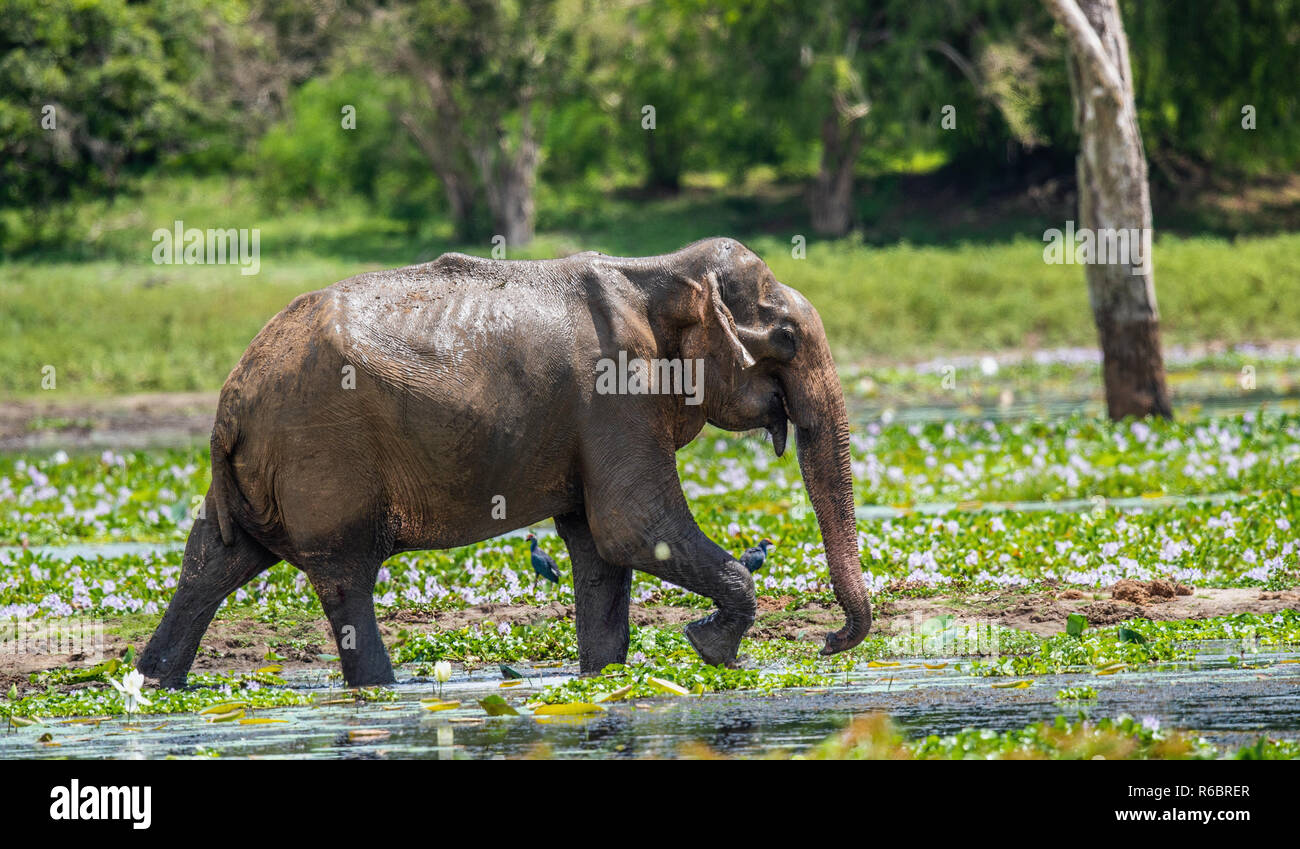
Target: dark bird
543,563
753,558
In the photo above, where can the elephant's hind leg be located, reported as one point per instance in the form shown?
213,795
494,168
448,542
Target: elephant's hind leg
601,594
347,592
210,571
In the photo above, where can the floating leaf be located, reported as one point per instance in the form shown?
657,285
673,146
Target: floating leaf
494,705
1128,635
572,709
442,706
360,734
224,707
270,670
673,689
1075,624
881,664
618,695
511,683
260,720
227,717
328,658
1013,685
935,665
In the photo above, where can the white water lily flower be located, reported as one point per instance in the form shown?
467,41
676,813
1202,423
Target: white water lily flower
130,690
442,671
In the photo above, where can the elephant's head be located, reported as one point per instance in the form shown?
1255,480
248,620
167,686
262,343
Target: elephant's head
768,364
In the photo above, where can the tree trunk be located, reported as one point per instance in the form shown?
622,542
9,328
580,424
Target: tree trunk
457,179
830,200
509,175
664,157
1114,196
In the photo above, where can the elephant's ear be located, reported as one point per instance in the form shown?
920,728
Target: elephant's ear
712,325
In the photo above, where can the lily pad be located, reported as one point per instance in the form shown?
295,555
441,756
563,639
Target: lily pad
494,705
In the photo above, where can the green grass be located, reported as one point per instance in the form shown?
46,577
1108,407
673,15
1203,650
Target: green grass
112,322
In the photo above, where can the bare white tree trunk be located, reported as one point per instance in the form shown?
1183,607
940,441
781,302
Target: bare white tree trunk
1114,195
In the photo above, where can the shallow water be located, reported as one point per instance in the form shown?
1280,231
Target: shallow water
1228,705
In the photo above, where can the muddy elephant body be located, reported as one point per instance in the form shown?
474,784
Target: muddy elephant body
447,403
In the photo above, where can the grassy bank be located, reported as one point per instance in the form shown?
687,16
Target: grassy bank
110,321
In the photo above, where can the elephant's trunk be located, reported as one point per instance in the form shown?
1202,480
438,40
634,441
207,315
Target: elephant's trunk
816,405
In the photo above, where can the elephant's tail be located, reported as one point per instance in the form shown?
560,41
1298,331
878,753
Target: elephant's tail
232,505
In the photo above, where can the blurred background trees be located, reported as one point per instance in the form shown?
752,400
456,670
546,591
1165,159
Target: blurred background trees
469,110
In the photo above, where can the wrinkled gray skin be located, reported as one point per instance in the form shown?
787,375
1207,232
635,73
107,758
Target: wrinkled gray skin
476,378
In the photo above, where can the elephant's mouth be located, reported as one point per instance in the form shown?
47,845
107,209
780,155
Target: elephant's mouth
776,423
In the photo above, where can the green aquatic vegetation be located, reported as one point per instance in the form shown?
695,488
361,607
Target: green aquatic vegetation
875,737
1123,738
77,675
741,493
151,495
488,643
243,693
1080,693
1111,650
1266,749
93,700
635,682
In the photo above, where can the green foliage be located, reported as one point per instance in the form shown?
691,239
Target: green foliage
1104,651
1122,738
691,675
253,690
90,91
488,644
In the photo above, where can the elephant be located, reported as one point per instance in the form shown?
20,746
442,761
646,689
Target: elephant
442,404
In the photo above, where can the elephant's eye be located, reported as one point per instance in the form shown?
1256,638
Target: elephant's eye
786,342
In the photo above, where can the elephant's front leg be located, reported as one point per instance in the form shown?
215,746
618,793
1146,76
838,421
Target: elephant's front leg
639,518
601,593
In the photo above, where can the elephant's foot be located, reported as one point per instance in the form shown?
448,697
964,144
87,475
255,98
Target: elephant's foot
372,678
716,640
170,653
157,666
